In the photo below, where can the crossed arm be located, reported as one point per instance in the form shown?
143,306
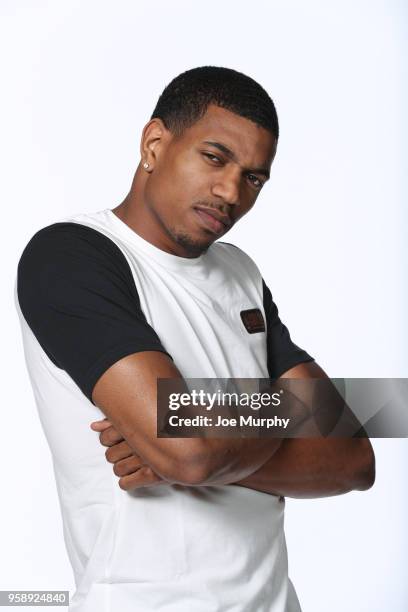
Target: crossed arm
309,467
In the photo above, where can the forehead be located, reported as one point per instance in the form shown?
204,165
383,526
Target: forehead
246,139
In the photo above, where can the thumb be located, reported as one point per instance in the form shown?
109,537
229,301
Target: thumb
101,425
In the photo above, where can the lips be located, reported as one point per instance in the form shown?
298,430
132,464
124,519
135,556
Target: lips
213,219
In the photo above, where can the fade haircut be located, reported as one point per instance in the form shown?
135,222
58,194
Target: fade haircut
186,98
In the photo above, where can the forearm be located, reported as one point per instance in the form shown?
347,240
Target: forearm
223,460
213,462
127,394
193,461
315,467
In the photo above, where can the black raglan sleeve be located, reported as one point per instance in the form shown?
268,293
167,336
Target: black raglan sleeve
77,294
283,354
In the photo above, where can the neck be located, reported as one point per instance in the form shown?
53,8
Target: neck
143,221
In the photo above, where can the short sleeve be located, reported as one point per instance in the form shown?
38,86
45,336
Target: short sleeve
76,292
283,354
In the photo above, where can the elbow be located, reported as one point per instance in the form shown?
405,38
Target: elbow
195,476
366,478
189,466
184,461
186,473
364,473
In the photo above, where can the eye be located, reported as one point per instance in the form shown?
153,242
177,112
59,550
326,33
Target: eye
255,181
212,157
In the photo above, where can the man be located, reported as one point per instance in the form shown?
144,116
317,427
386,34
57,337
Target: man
111,301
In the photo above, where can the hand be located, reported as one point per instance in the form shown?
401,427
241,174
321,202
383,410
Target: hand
132,472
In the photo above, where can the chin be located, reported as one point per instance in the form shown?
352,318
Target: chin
193,246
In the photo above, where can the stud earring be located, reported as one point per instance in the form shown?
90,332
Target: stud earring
145,165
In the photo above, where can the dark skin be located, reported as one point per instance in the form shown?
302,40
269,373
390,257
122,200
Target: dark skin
220,164
185,172
300,468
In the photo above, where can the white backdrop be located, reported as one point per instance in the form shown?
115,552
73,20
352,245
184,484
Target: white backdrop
79,81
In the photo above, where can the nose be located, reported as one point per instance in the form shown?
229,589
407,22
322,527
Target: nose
226,186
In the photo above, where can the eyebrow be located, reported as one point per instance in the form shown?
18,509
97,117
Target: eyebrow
231,155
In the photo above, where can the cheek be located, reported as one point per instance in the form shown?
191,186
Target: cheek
175,187
188,188
160,190
191,180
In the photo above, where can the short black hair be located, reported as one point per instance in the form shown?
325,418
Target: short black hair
186,98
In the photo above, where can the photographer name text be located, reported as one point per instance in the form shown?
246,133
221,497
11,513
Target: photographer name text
243,421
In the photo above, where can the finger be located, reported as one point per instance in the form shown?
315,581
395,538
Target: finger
145,477
127,466
118,451
101,425
110,436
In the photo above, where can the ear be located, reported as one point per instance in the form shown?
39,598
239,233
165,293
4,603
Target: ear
155,137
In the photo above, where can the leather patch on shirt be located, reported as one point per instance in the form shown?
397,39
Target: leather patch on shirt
253,320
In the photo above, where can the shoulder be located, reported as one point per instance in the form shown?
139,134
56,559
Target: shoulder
237,256
60,236
64,245
64,259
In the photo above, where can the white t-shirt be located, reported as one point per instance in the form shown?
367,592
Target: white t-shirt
90,291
